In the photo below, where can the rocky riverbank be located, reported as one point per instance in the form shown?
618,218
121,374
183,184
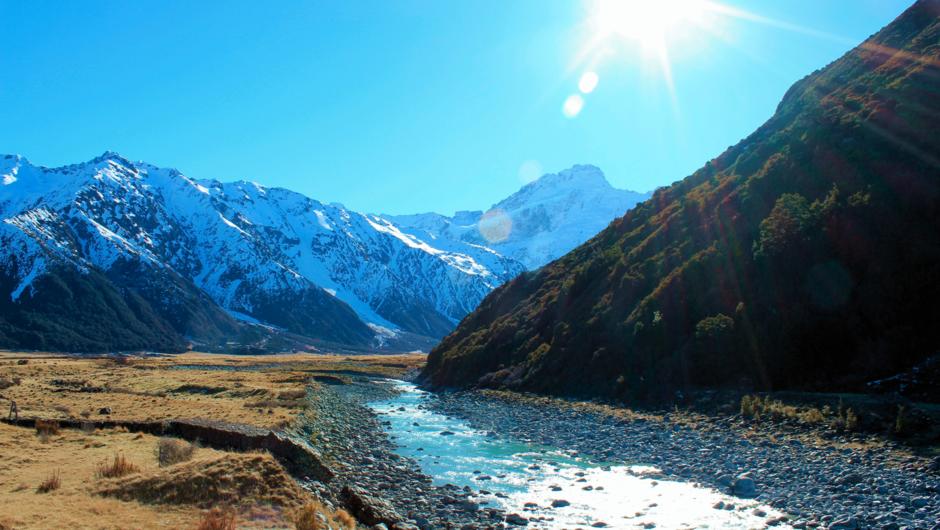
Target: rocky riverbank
378,485
825,486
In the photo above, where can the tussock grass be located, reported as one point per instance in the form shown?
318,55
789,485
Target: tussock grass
50,483
758,408
119,467
764,408
217,519
289,395
231,479
173,451
315,516
47,427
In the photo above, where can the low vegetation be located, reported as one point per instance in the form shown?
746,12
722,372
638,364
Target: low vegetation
230,479
173,451
118,467
315,516
47,427
217,519
50,483
765,408
110,476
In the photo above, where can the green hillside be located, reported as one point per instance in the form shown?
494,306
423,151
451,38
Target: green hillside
806,256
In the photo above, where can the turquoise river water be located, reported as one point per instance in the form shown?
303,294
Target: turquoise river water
527,479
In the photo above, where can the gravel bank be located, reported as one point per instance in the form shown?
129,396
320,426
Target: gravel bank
360,453
819,486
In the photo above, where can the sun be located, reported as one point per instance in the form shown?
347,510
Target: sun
647,22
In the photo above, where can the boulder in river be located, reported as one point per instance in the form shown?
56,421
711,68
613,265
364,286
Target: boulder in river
516,519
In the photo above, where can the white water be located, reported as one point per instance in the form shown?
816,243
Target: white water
521,473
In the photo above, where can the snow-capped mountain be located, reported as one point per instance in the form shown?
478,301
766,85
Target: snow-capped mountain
216,262
540,223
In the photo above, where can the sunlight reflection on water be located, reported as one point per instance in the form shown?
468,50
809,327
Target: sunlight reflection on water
526,479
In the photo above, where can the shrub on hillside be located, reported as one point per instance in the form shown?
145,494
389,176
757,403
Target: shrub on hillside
173,451
119,467
51,483
47,427
714,327
217,519
315,516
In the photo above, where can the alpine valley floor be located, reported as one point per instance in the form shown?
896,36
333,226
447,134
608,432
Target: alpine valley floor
379,456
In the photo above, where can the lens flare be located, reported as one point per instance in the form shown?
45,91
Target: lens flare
588,82
495,226
530,171
572,106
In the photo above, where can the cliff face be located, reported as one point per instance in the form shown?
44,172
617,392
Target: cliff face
806,256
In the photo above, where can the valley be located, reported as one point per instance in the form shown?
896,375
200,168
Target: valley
389,453
752,346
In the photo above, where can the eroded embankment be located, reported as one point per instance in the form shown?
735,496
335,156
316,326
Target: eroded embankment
301,461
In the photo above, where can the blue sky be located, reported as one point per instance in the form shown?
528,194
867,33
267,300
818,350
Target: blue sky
401,106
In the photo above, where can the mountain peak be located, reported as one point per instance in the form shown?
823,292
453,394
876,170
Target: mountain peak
580,175
113,156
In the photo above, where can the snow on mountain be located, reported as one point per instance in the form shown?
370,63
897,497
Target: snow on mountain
263,254
273,257
540,223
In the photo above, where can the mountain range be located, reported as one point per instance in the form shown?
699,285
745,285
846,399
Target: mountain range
116,255
806,256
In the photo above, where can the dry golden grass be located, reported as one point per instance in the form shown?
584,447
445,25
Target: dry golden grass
315,516
173,451
26,462
118,467
47,427
217,519
228,479
57,387
53,387
51,483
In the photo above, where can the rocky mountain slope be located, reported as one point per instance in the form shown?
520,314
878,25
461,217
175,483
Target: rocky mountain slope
114,254
806,256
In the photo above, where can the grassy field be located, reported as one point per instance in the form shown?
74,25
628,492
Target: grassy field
69,478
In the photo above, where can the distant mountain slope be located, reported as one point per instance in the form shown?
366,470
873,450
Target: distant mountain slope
808,255
166,260
541,222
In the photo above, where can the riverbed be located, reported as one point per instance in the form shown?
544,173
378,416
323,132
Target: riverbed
548,487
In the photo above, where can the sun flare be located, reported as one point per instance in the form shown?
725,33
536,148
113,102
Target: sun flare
646,22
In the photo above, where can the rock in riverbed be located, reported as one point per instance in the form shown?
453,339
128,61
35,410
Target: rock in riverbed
744,486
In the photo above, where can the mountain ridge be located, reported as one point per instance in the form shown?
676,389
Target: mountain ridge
779,264
272,260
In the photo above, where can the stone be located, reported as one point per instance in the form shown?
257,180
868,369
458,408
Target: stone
847,523
744,486
370,510
560,503
516,519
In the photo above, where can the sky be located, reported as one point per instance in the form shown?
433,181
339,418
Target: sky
409,106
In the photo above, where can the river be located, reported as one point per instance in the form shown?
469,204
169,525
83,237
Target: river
527,479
